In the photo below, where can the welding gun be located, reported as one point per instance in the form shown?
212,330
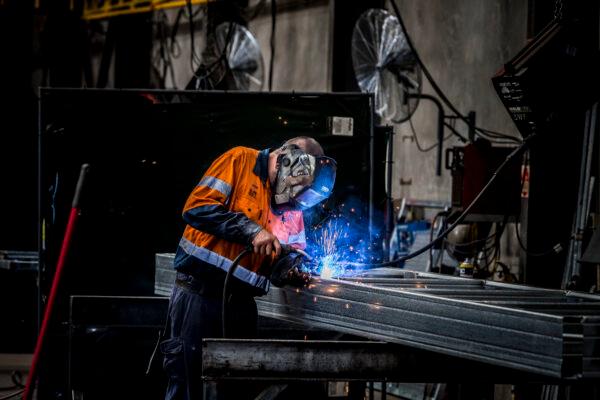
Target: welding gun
287,270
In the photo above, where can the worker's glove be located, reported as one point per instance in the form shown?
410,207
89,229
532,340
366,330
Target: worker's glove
287,271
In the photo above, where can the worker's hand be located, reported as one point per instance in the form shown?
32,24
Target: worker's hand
265,243
288,271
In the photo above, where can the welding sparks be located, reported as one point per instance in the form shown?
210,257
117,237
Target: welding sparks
329,238
331,289
328,265
340,241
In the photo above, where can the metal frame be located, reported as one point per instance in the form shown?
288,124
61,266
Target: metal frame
529,329
551,333
327,360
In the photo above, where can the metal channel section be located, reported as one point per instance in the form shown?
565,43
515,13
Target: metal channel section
344,360
553,333
549,332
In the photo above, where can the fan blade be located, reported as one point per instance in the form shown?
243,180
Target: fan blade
243,56
384,64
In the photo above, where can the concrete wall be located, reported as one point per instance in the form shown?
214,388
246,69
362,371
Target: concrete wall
463,43
302,46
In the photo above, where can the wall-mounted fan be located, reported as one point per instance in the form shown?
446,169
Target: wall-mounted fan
231,61
385,65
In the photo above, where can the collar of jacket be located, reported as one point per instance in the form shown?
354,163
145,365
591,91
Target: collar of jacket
261,168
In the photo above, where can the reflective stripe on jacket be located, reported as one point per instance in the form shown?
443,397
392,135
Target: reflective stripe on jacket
230,204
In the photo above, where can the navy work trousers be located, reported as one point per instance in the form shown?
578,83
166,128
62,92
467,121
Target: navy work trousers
194,317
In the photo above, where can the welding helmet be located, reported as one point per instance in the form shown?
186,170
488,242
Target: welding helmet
302,180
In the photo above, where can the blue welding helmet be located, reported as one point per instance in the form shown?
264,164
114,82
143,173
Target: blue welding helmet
322,185
303,180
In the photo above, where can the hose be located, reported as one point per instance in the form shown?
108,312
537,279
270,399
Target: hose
230,272
285,249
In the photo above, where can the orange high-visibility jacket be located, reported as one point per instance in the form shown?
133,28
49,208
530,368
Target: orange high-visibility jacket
227,208
288,228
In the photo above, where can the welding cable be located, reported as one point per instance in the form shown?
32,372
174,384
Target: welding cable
522,146
272,59
452,249
498,232
193,56
222,57
165,48
496,255
438,90
477,241
555,249
419,147
230,273
455,132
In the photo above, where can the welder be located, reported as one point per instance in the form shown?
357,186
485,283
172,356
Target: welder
246,198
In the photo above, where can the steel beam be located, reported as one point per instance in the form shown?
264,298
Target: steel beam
542,331
292,360
513,338
530,329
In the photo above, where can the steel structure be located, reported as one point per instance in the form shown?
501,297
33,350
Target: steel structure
343,360
547,332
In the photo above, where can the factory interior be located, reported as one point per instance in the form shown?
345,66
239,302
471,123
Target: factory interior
300,199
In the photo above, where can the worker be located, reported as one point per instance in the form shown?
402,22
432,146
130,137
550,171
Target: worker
246,198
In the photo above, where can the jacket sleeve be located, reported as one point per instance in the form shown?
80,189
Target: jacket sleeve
207,208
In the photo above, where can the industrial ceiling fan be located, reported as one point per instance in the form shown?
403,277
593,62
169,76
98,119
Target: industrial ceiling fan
233,62
385,65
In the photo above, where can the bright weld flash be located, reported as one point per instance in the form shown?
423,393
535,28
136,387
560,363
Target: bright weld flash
339,242
327,272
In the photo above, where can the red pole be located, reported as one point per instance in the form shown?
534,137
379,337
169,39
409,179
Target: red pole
31,377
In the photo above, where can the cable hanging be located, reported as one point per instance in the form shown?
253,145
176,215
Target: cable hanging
522,146
483,132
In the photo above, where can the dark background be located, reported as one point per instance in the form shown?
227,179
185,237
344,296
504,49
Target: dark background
147,150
